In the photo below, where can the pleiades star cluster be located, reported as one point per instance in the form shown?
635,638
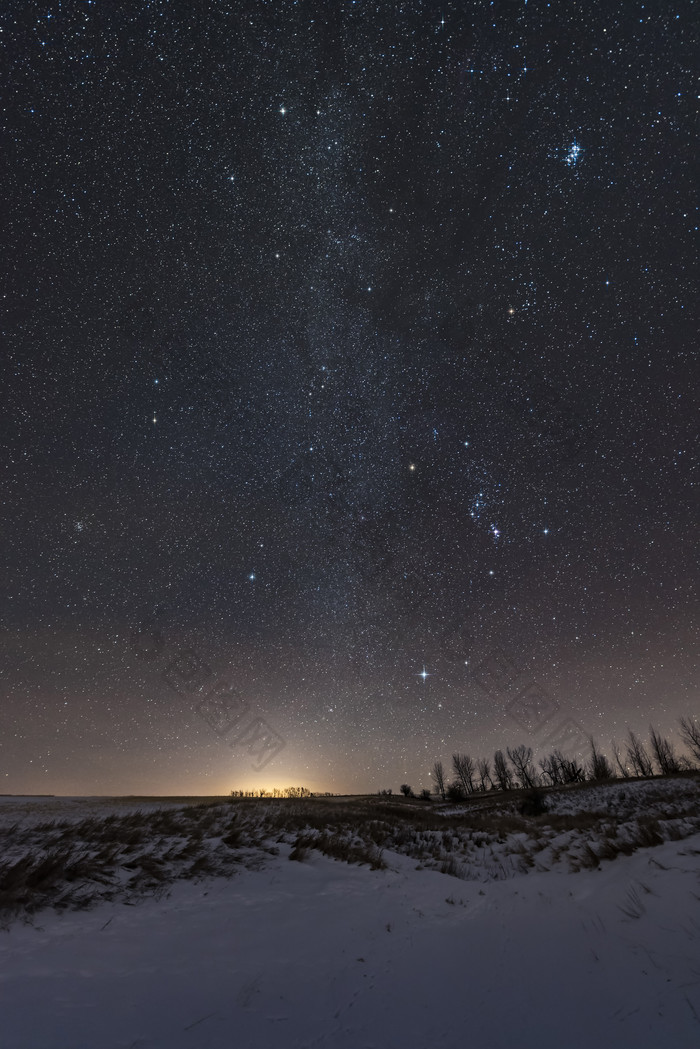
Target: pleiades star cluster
348,358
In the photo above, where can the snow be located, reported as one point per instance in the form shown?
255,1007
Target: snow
323,955
30,809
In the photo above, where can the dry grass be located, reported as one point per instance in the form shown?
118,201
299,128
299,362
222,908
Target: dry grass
65,864
126,856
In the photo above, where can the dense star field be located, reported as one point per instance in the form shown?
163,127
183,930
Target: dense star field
348,362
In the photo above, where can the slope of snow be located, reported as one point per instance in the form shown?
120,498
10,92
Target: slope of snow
322,955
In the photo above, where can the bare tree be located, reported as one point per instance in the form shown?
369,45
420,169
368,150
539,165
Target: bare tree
406,790
463,767
624,771
598,764
504,777
638,756
438,774
551,769
521,760
483,767
663,753
571,771
690,734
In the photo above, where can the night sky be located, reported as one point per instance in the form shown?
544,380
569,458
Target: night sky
348,359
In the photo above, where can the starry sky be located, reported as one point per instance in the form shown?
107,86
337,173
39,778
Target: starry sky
348,361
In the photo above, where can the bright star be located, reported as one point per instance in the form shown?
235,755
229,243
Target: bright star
574,155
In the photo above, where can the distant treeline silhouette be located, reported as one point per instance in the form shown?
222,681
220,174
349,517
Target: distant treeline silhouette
516,768
276,792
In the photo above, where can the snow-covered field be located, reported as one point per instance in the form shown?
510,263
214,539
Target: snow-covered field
325,954
29,810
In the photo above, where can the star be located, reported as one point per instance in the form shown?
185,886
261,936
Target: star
266,447
574,154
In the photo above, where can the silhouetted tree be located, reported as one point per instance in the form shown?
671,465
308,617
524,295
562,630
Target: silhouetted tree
599,766
690,734
438,775
571,771
455,791
551,768
406,790
483,767
663,753
463,767
521,760
504,777
624,771
638,756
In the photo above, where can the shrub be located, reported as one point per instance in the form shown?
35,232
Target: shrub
533,804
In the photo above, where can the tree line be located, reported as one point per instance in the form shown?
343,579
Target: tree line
516,769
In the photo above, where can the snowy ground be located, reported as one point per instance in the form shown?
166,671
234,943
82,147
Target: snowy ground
328,955
31,810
